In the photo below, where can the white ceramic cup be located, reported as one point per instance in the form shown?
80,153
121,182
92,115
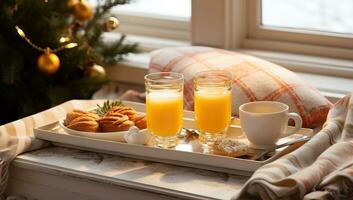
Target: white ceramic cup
264,122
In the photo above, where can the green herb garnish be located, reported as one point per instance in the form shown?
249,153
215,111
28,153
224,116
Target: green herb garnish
107,105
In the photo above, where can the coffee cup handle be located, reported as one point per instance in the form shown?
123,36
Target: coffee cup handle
298,124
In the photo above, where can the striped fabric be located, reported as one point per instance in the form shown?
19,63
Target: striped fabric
254,79
17,137
324,164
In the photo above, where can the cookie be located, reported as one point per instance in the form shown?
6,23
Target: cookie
115,118
112,122
81,121
128,111
230,147
88,126
125,125
140,121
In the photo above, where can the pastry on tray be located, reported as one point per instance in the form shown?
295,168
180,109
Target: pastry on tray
230,147
82,121
110,117
138,119
112,122
128,111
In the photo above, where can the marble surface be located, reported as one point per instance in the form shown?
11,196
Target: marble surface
138,173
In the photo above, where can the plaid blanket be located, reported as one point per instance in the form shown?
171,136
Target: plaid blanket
320,169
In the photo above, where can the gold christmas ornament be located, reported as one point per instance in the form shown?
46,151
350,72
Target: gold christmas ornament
96,71
111,24
71,3
48,63
83,10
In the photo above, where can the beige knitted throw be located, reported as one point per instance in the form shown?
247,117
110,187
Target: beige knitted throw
17,137
320,169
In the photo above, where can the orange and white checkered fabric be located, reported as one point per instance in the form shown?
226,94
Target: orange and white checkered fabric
254,79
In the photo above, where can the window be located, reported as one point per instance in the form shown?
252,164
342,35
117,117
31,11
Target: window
315,15
314,37
177,9
166,19
316,27
286,32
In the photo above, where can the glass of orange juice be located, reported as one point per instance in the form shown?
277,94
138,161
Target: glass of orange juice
164,107
213,105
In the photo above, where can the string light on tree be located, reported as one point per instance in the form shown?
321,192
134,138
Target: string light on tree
48,63
64,39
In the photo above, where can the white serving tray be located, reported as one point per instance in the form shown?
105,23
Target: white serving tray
184,154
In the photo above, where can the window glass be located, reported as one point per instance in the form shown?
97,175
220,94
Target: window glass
318,15
164,8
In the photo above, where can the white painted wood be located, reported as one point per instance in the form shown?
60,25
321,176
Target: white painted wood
298,48
128,73
208,23
309,64
154,26
217,163
236,23
184,154
35,184
220,23
61,173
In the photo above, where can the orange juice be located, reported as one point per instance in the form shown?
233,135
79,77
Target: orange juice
212,109
164,113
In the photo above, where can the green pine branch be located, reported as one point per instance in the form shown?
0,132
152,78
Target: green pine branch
24,90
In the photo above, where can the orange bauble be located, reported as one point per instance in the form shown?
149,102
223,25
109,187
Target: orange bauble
83,10
48,63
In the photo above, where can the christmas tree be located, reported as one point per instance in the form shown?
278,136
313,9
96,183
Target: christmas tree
52,51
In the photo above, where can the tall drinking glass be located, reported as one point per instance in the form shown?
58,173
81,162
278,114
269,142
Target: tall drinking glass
213,105
164,107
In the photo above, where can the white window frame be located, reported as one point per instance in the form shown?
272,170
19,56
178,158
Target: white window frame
295,40
324,61
236,26
154,26
154,31
233,24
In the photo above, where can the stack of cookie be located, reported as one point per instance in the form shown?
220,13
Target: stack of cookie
117,118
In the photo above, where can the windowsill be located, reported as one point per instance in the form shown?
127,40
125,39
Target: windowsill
133,71
331,76
312,69
146,44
